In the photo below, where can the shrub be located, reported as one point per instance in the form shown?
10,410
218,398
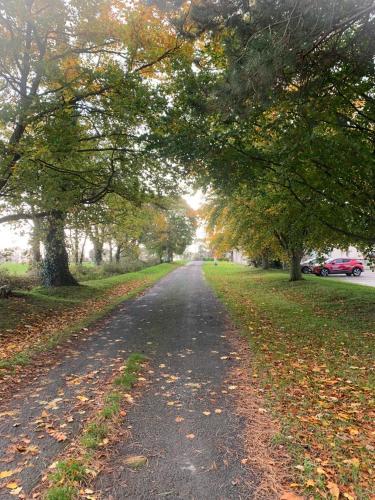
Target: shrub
94,435
61,493
69,471
22,282
108,269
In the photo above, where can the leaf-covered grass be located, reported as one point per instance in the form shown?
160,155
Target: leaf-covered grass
38,320
313,352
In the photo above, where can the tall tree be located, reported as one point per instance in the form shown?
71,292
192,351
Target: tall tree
76,104
267,224
283,90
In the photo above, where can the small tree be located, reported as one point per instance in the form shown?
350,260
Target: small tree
170,230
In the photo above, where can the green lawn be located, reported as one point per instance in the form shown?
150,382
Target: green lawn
313,347
14,268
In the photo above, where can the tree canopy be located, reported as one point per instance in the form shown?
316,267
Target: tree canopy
267,102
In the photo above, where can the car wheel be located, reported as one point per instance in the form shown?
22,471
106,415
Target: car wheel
357,272
324,272
306,270
348,274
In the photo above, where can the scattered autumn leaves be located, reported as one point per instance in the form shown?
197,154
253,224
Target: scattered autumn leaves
35,328
319,387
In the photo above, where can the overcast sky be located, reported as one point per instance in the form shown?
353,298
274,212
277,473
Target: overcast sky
18,236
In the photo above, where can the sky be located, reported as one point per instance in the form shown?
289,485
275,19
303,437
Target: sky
196,200
12,236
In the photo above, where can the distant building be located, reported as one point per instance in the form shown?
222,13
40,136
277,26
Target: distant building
238,257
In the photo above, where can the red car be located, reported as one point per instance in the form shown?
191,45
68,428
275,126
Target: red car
339,266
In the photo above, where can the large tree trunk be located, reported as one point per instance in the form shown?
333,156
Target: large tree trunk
98,245
295,264
110,251
36,255
118,254
76,247
169,255
56,263
98,252
265,262
83,250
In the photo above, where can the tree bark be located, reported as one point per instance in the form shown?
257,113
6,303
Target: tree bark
76,246
118,254
83,250
295,264
98,252
169,255
97,241
55,270
265,262
36,255
110,251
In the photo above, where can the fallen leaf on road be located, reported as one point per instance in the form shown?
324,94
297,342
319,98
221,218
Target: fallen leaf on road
190,436
8,413
82,398
7,473
207,413
179,419
129,398
16,491
59,436
12,485
218,411
136,461
52,405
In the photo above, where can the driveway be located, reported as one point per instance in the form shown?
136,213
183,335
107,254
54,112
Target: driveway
185,423
367,279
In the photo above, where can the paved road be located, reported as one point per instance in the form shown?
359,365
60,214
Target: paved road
367,279
191,454
183,328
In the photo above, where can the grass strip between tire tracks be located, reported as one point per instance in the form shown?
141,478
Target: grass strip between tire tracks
72,475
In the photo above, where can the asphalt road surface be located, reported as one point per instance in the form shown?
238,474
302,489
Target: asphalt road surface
185,422
367,278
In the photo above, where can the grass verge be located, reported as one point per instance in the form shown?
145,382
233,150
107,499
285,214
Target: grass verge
71,476
15,268
312,353
39,320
